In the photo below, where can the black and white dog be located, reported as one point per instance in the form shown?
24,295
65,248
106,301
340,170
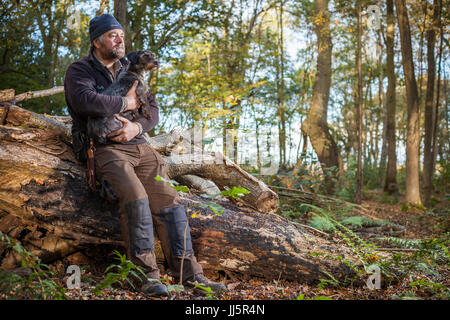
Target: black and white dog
140,62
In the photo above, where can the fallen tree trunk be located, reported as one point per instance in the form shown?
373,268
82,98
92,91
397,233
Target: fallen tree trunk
181,156
267,246
45,202
9,94
203,185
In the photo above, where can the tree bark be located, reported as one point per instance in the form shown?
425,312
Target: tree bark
7,95
45,201
101,9
359,102
203,185
37,94
438,96
390,184
429,104
281,88
301,156
382,106
315,124
121,14
412,99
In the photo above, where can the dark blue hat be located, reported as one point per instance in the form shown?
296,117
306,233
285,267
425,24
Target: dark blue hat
101,24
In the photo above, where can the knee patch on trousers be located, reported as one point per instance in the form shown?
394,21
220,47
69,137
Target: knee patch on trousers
175,221
140,227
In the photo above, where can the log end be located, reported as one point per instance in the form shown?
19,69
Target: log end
267,202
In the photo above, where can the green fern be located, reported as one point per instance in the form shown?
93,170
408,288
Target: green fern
321,223
362,249
403,243
356,221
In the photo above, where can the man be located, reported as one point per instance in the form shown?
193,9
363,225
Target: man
128,165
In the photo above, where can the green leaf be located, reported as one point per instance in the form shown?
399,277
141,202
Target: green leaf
133,273
110,267
180,188
321,223
175,288
210,196
214,207
129,282
355,221
206,289
173,184
235,192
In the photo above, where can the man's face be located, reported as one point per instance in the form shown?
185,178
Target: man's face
113,46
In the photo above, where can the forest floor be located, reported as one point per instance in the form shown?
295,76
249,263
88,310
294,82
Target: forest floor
424,272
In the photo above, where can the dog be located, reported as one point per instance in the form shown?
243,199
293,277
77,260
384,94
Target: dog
140,62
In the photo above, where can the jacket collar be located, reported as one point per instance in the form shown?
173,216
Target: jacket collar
119,66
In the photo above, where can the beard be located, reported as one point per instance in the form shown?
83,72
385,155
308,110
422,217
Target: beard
117,52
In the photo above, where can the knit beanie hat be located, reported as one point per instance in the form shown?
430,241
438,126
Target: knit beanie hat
101,24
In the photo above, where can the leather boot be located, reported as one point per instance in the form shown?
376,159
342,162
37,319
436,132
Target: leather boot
141,247
200,279
154,288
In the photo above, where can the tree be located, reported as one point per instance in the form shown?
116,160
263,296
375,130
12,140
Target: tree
390,184
101,8
50,21
315,124
429,104
280,74
359,102
412,98
120,13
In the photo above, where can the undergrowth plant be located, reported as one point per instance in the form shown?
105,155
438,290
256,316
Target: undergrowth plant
361,248
421,267
365,251
120,273
37,284
418,265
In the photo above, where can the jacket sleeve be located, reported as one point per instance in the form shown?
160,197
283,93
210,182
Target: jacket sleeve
80,90
146,124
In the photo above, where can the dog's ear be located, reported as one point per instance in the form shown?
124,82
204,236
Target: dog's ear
133,57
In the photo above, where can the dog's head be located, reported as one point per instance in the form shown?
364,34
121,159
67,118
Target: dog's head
143,60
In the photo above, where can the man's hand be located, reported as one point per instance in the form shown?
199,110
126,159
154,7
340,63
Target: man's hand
126,133
133,102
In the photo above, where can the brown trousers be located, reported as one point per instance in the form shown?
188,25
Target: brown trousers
130,170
